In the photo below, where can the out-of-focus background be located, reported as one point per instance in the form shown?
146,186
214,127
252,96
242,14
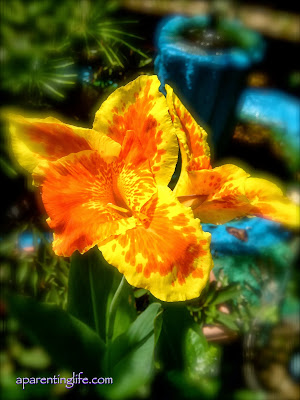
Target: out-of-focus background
235,66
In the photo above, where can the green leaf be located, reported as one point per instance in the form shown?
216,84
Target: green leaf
92,284
183,387
227,320
7,168
158,326
130,357
176,321
226,294
139,293
202,364
35,358
201,358
70,343
211,293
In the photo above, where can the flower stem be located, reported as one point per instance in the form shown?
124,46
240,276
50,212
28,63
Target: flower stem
113,309
94,303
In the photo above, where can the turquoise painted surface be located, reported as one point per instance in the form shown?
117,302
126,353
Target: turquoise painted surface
278,111
255,253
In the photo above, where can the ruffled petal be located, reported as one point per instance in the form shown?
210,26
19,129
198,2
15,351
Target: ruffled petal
35,140
221,194
222,211
227,192
168,254
78,195
195,152
189,133
141,108
268,202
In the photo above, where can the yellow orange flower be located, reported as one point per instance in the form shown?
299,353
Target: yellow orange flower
223,193
107,187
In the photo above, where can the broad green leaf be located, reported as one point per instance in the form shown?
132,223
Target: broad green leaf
176,321
70,343
201,358
130,358
92,284
182,387
202,363
158,326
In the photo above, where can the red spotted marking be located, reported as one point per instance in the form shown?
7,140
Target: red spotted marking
188,126
58,140
164,248
139,119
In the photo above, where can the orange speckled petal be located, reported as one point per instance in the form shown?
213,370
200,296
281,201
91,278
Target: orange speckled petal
134,184
268,202
76,191
222,211
192,138
35,140
210,182
168,255
224,188
230,181
203,182
238,195
141,108
195,152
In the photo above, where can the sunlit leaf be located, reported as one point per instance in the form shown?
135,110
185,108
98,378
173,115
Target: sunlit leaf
92,284
130,358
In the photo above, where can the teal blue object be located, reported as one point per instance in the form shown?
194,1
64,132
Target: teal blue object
248,236
254,253
209,82
278,111
26,239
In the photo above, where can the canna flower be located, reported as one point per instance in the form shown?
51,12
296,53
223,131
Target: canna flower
218,195
107,186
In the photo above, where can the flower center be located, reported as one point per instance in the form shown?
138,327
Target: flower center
120,209
119,202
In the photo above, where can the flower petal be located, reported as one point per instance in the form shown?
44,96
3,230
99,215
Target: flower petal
141,108
195,152
135,184
77,193
268,202
222,194
189,133
227,192
35,140
168,254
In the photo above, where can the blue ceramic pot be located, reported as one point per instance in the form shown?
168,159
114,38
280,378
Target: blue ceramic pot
208,80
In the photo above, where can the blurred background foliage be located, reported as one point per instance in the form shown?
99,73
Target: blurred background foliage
45,47
240,339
